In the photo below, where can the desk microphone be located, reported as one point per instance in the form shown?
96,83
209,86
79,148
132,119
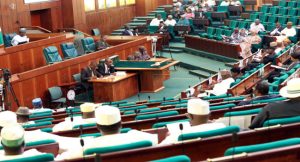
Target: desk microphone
149,98
71,114
181,129
164,99
81,133
139,97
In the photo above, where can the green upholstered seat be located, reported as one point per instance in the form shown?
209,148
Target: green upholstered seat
262,147
232,24
84,125
217,97
242,113
273,10
263,18
37,124
74,110
282,11
142,111
222,106
163,124
272,19
48,130
234,98
88,44
218,34
222,9
40,114
114,103
170,103
96,32
134,108
282,19
211,133
291,4
243,24
264,9
252,18
7,38
123,130
282,3
127,104
269,100
180,158
210,32
44,120
181,105
227,33
292,12
294,20
56,95
101,150
51,55
156,115
282,121
36,158
152,29
115,58
69,50
161,100
36,143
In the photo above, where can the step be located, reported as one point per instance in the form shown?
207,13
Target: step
138,21
145,17
152,14
200,73
172,50
177,45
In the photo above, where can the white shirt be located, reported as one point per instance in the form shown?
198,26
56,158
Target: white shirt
222,87
224,3
173,138
18,39
236,3
211,3
289,32
155,22
68,125
170,22
28,153
179,4
260,27
275,31
277,50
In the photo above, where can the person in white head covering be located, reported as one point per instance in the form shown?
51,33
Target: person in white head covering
289,31
7,118
88,117
198,113
257,26
20,38
170,21
12,140
281,109
222,87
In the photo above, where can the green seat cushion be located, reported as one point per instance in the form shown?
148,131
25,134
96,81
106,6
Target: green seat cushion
181,105
114,103
74,110
123,130
127,104
134,108
211,133
40,114
222,106
44,120
262,147
156,115
48,130
217,97
101,150
163,124
269,100
180,158
142,111
37,124
289,120
242,113
36,158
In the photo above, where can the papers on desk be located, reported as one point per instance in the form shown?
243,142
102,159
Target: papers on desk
156,64
120,73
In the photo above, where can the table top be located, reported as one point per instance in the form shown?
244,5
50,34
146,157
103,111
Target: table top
112,78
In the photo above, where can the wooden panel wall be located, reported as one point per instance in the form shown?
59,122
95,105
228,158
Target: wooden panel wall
30,56
12,19
143,7
35,83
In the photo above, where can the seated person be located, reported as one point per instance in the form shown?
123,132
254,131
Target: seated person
189,14
170,21
261,92
183,21
144,53
198,113
225,3
89,73
156,21
7,118
137,56
21,38
277,30
127,31
279,47
136,31
246,45
281,109
235,3
257,26
235,72
130,58
194,8
23,116
102,44
243,33
235,36
162,28
286,42
106,68
205,8
88,116
210,3
289,31
12,140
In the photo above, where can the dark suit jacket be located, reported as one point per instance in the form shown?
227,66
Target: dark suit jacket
86,74
126,32
279,30
101,69
281,109
257,99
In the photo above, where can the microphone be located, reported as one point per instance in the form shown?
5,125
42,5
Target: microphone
164,99
81,140
139,97
149,97
71,113
181,129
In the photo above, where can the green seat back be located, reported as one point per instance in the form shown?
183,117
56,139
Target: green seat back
37,124
51,55
127,104
123,130
115,58
291,4
217,97
180,158
44,120
269,100
211,133
242,113
253,16
222,106
84,125
228,33
134,108
55,93
243,24
282,121
152,29
234,98
96,32
262,147
272,19
114,103
282,20
88,44
40,114
264,9
263,18
47,130
69,50
163,124
39,158
222,9
282,3
219,32
142,111
292,12
233,24
294,20
77,77
210,30
102,150
282,11
181,105
156,115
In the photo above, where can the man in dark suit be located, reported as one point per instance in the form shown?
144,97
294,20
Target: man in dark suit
127,31
88,73
261,92
281,109
106,68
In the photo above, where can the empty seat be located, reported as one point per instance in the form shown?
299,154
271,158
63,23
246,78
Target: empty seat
273,10
282,3
291,4
68,50
56,95
292,12
88,45
243,24
209,33
218,34
156,115
282,19
51,55
253,17
282,11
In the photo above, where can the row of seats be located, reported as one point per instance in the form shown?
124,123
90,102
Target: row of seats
216,33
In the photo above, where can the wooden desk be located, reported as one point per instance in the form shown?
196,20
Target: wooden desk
150,78
212,46
115,88
116,40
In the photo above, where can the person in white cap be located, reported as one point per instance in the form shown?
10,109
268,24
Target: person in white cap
170,21
7,118
88,116
198,113
12,140
21,38
281,109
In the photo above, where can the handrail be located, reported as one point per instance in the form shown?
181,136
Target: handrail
73,30
37,27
